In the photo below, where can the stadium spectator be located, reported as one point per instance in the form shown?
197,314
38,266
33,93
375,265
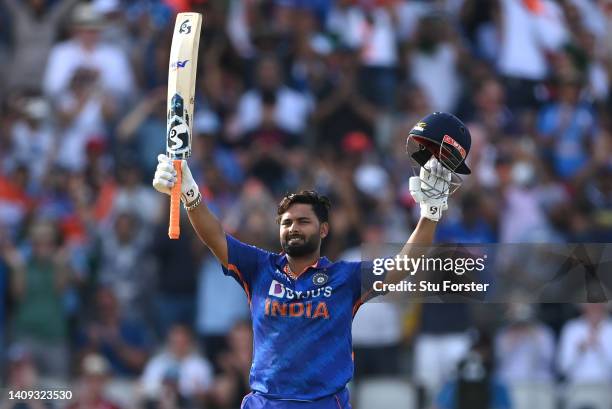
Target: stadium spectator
38,282
147,118
32,138
220,305
567,128
177,263
434,55
524,348
232,384
23,375
178,372
370,30
95,372
124,343
126,263
528,31
341,103
106,64
273,101
471,227
35,25
475,385
585,353
441,343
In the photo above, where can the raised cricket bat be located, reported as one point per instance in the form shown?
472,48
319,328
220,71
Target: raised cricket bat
181,90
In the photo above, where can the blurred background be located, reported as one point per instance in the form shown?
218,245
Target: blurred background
293,94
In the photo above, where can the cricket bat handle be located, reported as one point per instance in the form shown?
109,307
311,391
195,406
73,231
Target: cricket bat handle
174,229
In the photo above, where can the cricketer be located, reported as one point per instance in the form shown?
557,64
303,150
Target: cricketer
302,305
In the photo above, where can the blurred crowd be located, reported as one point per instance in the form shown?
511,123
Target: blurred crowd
291,94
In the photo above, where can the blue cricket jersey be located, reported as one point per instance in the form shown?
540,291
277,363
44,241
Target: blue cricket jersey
302,328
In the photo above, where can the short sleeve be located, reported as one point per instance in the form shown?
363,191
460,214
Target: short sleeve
243,263
363,279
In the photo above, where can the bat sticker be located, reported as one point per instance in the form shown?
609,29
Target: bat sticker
178,134
179,64
185,27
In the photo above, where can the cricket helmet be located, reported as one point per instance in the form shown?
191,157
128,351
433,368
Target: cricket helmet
443,136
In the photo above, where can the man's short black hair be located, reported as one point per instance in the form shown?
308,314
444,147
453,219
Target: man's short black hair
320,204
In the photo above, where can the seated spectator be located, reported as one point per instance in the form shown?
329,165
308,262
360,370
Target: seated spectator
475,386
123,343
94,376
178,373
524,348
585,350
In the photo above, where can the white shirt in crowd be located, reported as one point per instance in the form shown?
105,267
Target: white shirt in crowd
87,125
593,364
376,40
291,111
526,36
110,61
443,92
32,147
525,355
195,374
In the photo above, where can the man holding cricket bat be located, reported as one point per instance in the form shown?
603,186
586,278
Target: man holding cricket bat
302,305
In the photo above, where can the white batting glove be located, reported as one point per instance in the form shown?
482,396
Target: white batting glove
431,188
165,178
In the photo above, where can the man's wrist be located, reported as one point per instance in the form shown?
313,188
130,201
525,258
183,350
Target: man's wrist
194,203
431,212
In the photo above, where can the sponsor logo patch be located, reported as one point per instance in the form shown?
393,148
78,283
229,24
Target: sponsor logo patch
449,140
320,279
420,126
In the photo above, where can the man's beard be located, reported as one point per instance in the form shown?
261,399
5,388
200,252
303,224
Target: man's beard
308,246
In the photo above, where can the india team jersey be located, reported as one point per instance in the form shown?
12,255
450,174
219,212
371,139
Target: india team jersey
302,328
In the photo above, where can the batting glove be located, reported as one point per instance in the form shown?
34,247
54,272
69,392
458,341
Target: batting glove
165,178
431,188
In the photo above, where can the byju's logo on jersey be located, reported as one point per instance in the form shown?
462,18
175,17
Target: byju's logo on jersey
277,289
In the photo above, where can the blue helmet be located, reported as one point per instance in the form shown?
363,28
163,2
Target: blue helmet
444,136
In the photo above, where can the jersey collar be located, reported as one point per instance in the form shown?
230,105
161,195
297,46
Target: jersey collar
282,262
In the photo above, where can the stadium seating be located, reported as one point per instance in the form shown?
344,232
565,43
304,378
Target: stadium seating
385,393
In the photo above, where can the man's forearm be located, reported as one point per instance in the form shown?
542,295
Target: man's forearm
210,231
416,246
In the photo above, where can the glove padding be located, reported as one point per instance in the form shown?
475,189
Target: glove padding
165,178
431,188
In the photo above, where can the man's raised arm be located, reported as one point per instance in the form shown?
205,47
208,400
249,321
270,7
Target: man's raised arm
432,205
206,225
